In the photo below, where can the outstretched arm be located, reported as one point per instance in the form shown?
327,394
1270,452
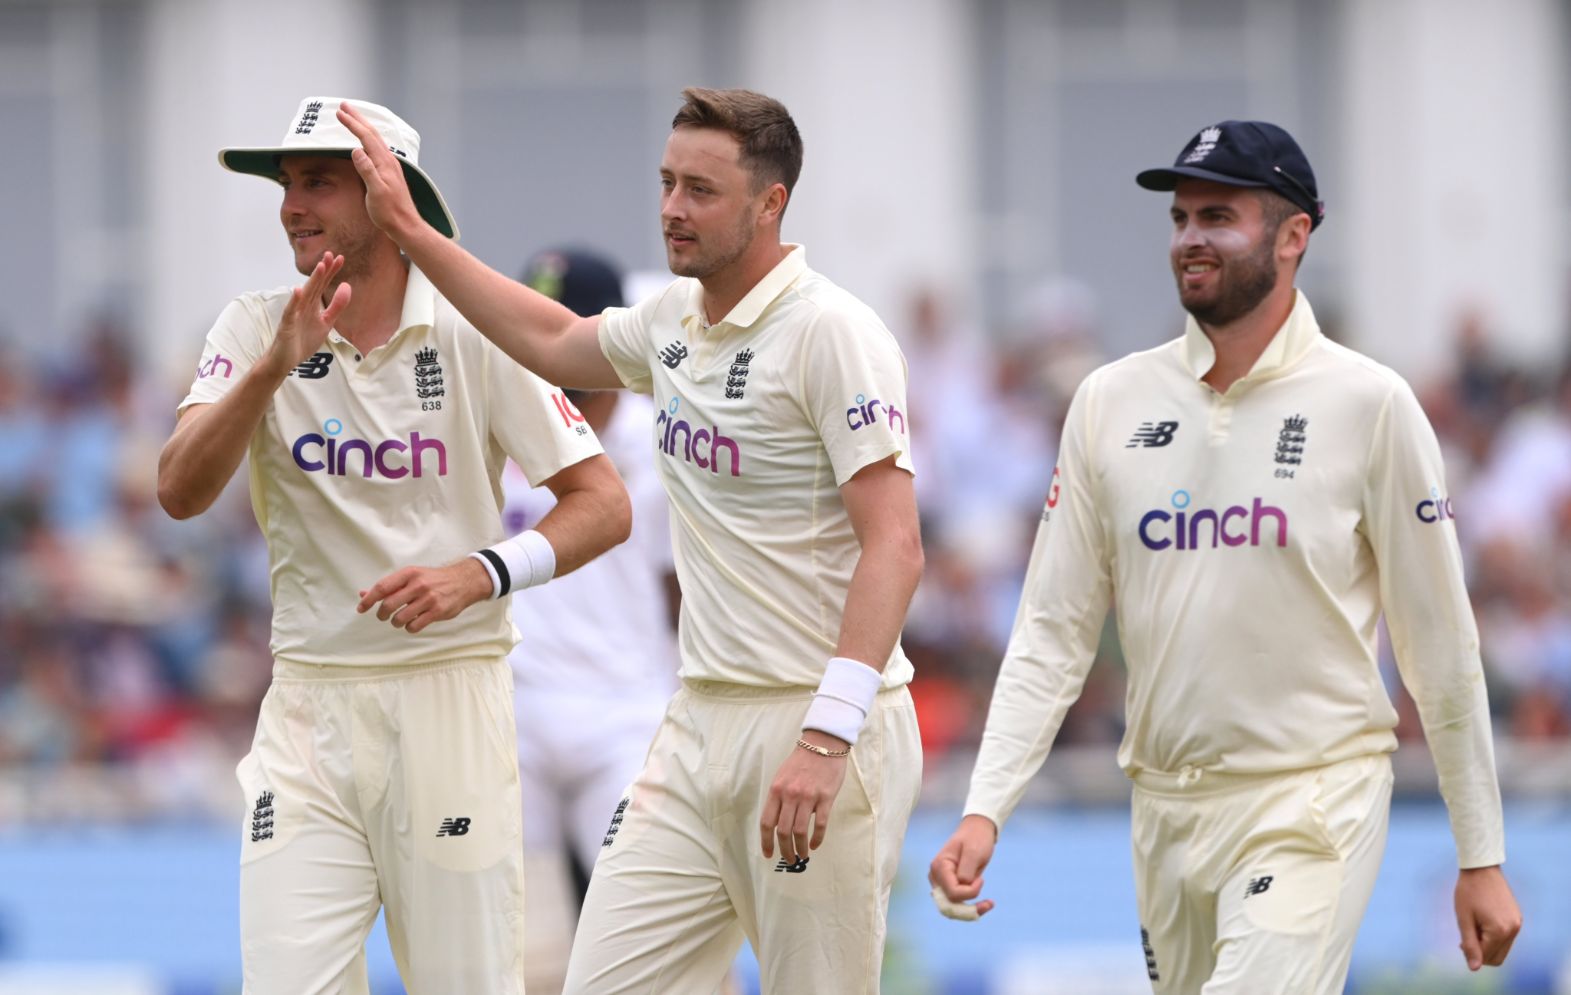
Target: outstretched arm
540,334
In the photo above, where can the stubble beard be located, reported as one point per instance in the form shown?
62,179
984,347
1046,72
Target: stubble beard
1252,280
357,244
733,248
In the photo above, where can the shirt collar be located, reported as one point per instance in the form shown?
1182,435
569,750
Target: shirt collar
419,302
1300,332
763,294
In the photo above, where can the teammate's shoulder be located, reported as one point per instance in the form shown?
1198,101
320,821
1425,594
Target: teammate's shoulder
674,293
1137,365
260,309
1357,373
824,304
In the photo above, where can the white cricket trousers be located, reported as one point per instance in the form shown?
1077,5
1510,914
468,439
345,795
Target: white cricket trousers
391,787
682,878
577,753
1256,884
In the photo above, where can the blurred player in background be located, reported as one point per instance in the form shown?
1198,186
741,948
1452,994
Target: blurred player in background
596,663
1255,496
781,432
374,422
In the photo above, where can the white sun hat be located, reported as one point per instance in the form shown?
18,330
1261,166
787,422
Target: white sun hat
315,130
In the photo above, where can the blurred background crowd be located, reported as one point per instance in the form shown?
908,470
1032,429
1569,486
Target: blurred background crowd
969,173
138,645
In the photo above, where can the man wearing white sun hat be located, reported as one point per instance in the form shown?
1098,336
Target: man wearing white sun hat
375,423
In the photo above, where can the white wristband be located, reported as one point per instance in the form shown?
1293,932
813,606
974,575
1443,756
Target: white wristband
843,699
525,560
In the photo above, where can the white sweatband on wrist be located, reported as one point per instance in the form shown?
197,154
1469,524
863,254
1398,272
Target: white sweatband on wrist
843,699
525,560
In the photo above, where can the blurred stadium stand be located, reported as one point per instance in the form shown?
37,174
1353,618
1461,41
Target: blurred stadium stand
1004,244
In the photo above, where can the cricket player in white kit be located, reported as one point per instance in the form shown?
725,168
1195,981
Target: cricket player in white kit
1255,496
374,422
596,663
783,445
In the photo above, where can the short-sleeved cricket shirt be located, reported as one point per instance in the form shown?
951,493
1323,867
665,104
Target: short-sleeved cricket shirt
758,421
1253,539
366,463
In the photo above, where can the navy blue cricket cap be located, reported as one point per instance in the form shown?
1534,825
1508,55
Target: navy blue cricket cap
1245,154
585,282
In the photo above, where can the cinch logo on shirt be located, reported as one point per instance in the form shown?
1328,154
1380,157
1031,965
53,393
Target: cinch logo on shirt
1436,509
865,412
218,365
1052,498
1186,530
701,446
376,459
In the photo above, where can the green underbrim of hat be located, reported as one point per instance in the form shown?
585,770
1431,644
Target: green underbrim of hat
264,163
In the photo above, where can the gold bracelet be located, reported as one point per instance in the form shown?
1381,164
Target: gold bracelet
812,748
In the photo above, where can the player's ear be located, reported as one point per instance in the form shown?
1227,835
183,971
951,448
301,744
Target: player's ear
1292,238
775,198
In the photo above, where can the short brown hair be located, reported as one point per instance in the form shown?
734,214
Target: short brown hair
771,145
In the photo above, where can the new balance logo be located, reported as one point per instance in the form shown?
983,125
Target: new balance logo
453,827
1152,434
616,822
315,366
673,354
796,866
308,120
262,818
1258,885
1145,943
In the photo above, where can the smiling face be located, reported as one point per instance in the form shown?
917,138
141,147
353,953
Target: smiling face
324,210
710,212
1227,254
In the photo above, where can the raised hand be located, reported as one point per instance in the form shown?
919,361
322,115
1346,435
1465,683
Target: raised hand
387,197
413,597
305,323
956,873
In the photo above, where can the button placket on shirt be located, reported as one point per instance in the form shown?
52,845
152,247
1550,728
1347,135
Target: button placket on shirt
1219,424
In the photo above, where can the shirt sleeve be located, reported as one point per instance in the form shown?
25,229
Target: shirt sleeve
1408,523
235,343
1068,587
624,338
534,422
854,389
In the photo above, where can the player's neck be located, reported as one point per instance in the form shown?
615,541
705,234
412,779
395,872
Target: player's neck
376,305
1239,343
725,288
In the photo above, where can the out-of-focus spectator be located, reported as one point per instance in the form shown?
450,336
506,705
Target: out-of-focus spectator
133,649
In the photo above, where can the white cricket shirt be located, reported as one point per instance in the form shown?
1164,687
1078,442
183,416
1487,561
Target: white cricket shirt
759,420
367,463
603,629
1252,540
